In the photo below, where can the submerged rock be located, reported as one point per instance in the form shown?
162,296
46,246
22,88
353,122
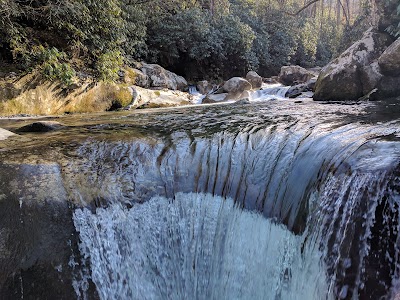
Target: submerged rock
41,126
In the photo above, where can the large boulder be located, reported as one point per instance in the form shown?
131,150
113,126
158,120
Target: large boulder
389,61
162,78
291,75
254,79
341,78
235,87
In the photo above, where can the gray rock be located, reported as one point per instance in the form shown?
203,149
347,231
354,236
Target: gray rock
237,88
141,79
204,87
215,98
161,78
291,75
300,89
41,126
389,61
341,79
254,79
370,77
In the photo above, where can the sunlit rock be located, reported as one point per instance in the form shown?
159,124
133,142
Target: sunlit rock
341,79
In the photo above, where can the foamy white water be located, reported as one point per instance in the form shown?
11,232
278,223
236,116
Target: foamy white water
196,246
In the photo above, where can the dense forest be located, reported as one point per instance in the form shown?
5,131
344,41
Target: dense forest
195,38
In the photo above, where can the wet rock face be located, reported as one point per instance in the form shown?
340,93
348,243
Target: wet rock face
36,234
41,126
341,79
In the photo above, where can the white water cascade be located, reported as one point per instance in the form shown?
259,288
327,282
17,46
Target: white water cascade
197,246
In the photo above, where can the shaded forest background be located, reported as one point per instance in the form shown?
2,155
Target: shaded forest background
195,38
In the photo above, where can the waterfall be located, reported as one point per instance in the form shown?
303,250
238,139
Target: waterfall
198,98
330,219
270,91
271,200
197,246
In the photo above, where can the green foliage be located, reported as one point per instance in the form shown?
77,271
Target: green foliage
54,65
194,38
108,65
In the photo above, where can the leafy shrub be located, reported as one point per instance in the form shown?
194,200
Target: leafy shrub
108,65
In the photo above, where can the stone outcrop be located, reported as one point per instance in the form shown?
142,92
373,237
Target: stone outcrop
389,61
162,78
341,79
34,95
145,98
291,75
255,80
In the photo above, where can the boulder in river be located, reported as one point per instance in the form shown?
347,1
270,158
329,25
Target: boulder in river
341,79
162,78
235,87
41,126
291,75
254,79
389,61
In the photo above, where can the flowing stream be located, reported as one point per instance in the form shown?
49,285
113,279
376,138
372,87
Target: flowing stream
271,200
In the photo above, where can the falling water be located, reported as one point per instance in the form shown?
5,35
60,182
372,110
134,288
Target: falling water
270,91
196,246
